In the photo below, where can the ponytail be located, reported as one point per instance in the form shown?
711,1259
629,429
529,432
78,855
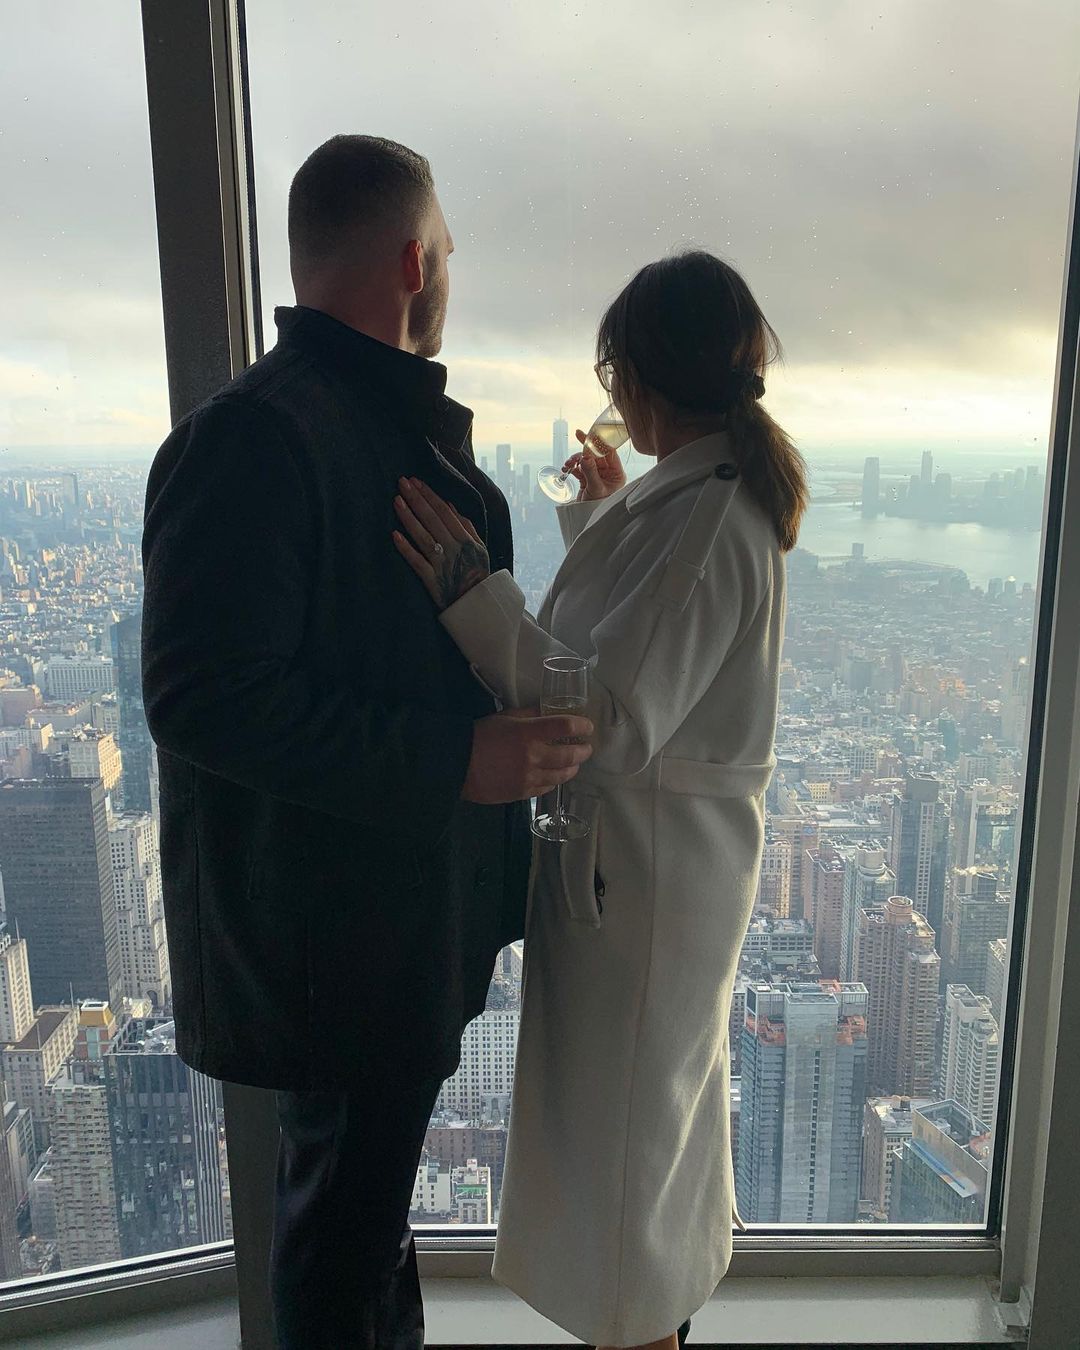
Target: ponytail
771,467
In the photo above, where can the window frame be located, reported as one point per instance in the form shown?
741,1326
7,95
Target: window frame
204,189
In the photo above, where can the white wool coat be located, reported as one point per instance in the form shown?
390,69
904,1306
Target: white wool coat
618,1193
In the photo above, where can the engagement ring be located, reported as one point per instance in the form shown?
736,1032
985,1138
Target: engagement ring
438,548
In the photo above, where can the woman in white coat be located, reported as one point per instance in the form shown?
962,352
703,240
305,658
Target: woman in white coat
618,1196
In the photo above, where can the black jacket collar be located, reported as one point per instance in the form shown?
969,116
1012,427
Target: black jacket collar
414,387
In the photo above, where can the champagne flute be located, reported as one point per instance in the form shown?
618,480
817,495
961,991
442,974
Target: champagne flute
609,430
564,689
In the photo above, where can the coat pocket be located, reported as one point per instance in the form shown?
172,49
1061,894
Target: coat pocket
579,872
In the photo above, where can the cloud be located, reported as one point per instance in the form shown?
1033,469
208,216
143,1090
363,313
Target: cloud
891,179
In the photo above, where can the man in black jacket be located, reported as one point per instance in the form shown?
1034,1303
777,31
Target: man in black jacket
344,845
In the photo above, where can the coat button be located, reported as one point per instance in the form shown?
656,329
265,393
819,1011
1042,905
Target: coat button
726,471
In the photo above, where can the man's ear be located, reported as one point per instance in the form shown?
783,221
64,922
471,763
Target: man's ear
412,266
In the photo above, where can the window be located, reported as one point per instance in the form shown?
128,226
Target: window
110,1148
892,185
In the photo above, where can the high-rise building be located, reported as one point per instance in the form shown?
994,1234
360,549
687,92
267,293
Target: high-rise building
919,845
823,876
81,1165
164,1120
487,1064
30,1064
136,747
94,754
16,997
10,1261
868,881
975,915
802,1093
72,676
504,474
926,472
560,442
774,878
984,820
886,1128
997,955
431,1195
454,1145
970,802
58,885
896,961
777,942
471,1186
801,832
944,1167
144,953
970,1054
871,487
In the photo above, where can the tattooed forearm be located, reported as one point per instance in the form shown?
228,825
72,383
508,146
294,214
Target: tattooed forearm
460,571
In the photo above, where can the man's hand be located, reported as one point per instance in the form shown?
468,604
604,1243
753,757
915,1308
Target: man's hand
516,756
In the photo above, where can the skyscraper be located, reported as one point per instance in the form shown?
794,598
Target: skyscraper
94,754
136,747
163,1120
943,1167
871,487
802,1093
487,1064
83,1177
31,1064
996,967
970,801
16,997
504,474
801,832
144,953
926,472
560,442
58,882
75,676
896,961
823,877
886,1127
868,881
975,915
774,878
970,1054
918,851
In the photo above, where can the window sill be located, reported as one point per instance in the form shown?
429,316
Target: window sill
938,1311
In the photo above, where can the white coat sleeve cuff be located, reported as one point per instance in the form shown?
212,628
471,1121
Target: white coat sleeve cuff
573,517
485,624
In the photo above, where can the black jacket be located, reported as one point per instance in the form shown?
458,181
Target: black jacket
333,907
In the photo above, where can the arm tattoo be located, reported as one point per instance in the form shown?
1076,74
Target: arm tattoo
460,572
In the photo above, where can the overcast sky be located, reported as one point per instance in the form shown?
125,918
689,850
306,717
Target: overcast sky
893,184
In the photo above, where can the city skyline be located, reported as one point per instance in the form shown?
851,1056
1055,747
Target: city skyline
909,254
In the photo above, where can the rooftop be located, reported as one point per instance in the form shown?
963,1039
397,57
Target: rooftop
45,1026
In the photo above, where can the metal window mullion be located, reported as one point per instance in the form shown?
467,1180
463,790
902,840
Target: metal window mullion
205,221
1050,971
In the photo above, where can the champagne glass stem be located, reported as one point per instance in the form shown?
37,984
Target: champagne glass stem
559,812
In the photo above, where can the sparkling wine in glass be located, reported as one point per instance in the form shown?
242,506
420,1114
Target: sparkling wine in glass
564,691
609,430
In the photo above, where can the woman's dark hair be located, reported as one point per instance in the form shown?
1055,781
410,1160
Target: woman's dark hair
689,329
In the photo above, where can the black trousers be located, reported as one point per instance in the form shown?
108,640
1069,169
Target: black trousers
343,1264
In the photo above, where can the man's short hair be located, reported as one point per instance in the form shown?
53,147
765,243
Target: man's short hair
352,185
